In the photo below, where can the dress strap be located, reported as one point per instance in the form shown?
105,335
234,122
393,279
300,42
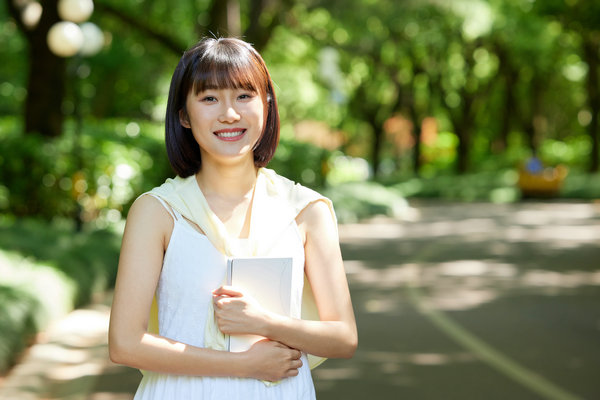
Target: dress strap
167,207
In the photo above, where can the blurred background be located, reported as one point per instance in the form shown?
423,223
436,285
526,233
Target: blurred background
425,121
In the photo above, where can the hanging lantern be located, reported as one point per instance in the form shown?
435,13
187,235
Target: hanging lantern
31,14
75,10
65,39
93,39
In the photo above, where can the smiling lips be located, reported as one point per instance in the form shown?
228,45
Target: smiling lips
230,134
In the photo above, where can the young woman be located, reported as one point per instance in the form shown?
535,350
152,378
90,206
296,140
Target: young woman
222,128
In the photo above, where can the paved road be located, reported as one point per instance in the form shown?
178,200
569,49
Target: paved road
463,301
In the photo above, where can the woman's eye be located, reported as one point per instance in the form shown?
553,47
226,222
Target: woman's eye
209,99
245,96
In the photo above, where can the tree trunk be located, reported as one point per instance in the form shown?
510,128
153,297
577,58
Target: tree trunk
377,142
464,119
45,90
463,126
224,18
462,152
416,161
591,57
508,110
532,134
46,77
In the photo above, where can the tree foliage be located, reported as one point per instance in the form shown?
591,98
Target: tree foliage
507,78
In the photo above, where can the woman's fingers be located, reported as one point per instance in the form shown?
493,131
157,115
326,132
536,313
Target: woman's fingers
296,354
223,293
275,360
295,366
227,291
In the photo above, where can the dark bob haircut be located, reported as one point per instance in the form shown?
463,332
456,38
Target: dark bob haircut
224,63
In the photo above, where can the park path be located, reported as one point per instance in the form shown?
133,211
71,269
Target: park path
455,301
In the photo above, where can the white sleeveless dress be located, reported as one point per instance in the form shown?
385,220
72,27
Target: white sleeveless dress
192,269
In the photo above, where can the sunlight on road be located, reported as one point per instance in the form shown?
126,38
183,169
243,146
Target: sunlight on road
462,257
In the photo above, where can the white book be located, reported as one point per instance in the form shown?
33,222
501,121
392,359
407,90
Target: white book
269,281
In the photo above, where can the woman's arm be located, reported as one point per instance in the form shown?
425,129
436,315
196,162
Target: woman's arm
335,335
146,237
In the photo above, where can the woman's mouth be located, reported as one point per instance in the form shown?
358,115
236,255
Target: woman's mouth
230,134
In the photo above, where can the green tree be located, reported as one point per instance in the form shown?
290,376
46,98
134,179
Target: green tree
47,79
583,19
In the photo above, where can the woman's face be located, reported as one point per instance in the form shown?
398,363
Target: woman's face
226,123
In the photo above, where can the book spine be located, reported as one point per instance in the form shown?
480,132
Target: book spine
229,271
229,281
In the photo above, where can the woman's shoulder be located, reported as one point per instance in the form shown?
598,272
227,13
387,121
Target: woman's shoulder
148,211
297,194
144,204
316,213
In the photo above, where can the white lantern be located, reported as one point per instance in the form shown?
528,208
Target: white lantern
93,39
31,14
75,10
65,39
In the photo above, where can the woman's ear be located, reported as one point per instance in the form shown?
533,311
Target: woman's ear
183,119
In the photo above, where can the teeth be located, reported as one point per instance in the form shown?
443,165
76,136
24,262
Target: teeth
230,134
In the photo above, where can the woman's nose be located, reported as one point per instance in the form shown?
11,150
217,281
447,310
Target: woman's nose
229,114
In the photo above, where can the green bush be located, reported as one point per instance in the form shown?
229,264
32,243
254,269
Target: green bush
32,294
354,201
497,186
580,185
16,323
45,271
95,173
301,162
100,171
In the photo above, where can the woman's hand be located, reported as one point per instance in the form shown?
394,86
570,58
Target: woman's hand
237,313
273,361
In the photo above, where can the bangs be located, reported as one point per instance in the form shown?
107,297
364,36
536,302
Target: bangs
228,71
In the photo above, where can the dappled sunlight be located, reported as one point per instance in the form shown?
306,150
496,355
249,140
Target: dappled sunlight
337,373
352,232
476,267
464,227
386,305
537,226
431,230
81,328
460,299
472,288
548,213
562,236
58,353
392,367
390,277
461,263
397,358
70,372
459,285
570,279
110,396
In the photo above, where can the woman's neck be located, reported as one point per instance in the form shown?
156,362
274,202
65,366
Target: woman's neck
229,191
231,181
